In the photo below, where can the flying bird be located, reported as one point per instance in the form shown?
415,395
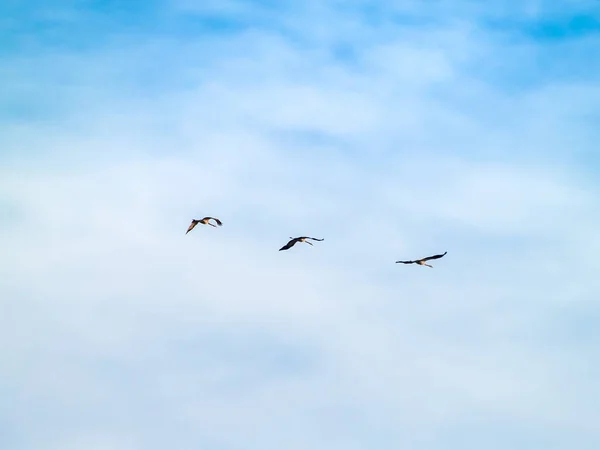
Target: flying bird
298,239
421,261
205,221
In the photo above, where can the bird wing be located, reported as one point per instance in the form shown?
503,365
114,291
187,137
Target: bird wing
314,239
191,227
215,219
289,244
433,257
405,262
207,218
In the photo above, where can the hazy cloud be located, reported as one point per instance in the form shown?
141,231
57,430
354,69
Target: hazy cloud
391,139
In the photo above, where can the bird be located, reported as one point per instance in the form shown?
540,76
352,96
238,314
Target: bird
205,221
421,261
298,239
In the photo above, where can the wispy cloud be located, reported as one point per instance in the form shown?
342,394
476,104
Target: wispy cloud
389,129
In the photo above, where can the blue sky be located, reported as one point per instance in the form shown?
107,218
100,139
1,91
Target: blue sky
392,129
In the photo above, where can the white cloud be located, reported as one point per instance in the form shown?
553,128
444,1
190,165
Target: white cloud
121,332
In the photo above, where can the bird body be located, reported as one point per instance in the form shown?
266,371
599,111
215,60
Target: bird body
204,221
421,262
293,241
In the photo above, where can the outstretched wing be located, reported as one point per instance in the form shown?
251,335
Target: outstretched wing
433,257
289,244
405,262
192,225
215,219
314,239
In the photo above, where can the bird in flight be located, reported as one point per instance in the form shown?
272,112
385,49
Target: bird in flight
205,221
298,239
421,261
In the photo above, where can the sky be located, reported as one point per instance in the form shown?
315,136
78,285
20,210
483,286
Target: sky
393,130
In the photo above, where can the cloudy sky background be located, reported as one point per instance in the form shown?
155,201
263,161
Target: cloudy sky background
392,129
